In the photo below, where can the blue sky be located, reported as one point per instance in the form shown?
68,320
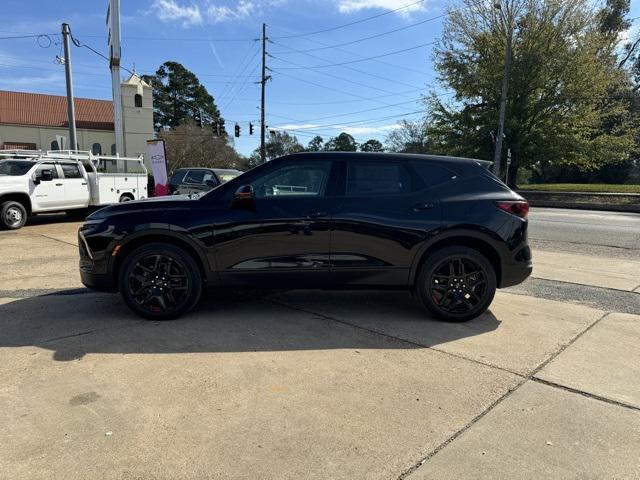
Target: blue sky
216,40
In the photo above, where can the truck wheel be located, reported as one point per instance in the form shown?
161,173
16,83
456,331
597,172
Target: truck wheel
125,197
13,215
456,284
160,281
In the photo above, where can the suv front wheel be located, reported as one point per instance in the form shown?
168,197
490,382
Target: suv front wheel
456,284
13,215
160,281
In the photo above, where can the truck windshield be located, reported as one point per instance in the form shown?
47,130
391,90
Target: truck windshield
15,167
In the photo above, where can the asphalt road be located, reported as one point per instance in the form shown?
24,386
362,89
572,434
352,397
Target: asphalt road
585,227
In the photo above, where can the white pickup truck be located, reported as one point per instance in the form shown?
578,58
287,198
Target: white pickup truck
33,182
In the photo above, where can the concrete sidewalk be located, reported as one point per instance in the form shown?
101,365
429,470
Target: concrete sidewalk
318,385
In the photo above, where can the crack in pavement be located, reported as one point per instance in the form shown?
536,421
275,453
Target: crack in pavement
529,377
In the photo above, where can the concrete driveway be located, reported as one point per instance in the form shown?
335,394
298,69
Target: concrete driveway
290,385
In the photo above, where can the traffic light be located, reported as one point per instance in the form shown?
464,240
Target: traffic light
223,131
237,130
250,128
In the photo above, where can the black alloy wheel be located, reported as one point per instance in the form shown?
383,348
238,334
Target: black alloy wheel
457,284
160,281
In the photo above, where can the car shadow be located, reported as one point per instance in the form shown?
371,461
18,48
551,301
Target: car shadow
78,323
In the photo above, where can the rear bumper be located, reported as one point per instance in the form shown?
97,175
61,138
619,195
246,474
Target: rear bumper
518,269
515,274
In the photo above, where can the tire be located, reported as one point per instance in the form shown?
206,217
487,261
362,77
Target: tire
146,287
456,284
13,215
125,197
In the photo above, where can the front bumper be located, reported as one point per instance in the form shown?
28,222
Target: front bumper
93,273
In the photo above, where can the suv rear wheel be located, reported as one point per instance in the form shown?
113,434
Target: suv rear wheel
13,215
160,281
456,284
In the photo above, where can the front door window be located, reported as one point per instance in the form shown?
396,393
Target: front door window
294,180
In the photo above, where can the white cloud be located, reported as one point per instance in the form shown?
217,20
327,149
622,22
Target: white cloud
171,10
351,130
224,13
25,83
296,126
351,6
196,12
368,130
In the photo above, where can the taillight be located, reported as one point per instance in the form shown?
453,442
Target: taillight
519,208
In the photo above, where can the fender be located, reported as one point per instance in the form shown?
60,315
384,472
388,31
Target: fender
472,232
179,235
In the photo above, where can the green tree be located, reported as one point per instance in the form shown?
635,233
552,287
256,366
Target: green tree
188,145
178,96
316,144
276,145
372,146
409,137
563,70
342,143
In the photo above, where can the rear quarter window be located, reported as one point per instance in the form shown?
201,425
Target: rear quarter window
432,174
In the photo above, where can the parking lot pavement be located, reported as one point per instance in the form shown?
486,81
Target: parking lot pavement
248,389
615,273
42,257
307,384
543,432
605,361
517,334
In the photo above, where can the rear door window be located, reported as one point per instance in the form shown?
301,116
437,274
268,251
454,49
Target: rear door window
377,178
70,170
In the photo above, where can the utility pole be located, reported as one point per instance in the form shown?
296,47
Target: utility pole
263,156
71,110
508,24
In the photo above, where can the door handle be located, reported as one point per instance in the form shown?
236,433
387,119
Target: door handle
58,184
84,183
316,214
420,207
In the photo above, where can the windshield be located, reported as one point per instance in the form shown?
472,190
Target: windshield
15,168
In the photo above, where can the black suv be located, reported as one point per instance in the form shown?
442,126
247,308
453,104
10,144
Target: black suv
443,227
185,181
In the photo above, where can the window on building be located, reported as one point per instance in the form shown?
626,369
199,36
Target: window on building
54,145
96,149
113,149
138,100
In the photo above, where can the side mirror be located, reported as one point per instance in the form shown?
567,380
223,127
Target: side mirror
243,197
211,183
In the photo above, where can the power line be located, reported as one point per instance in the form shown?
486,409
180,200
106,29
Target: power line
344,25
362,122
357,55
339,78
395,52
370,37
347,67
279,72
